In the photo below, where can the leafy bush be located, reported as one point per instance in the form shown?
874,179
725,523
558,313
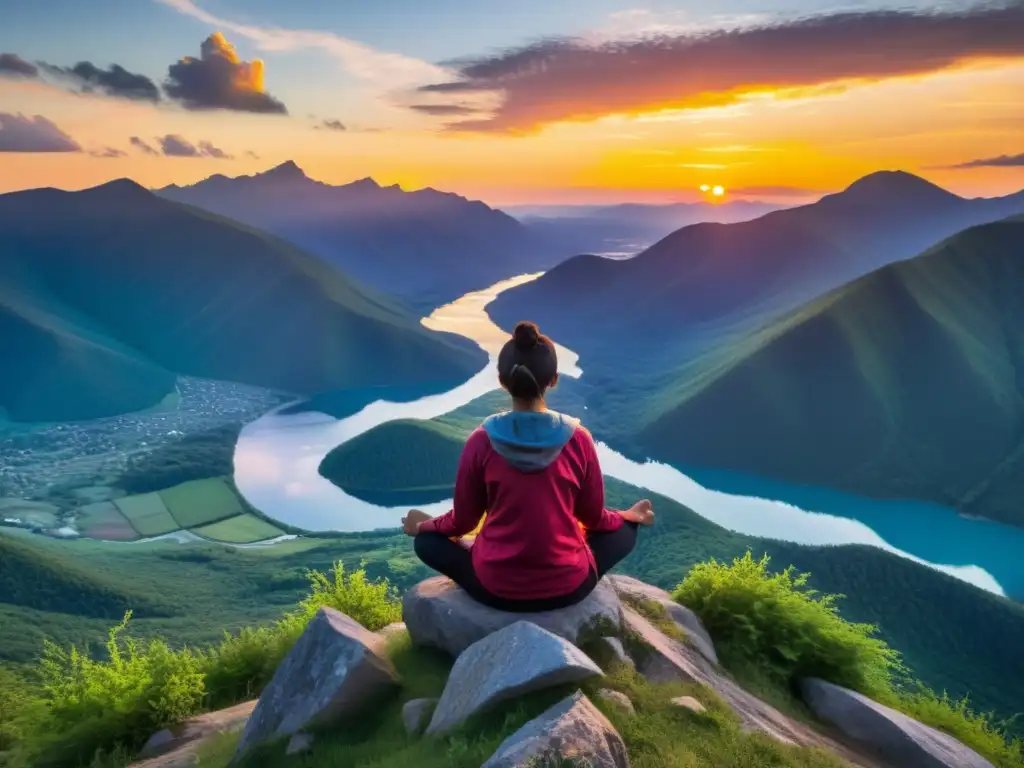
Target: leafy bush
93,706
774,626
791,632
94,710
242,664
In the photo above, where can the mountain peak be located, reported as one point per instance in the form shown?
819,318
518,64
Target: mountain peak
885,187
120,188
286,171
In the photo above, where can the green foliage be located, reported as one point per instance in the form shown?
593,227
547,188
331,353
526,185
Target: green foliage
93,706
776,622
773,629
14,697
90,708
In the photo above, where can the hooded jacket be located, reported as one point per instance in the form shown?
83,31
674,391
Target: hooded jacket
537,476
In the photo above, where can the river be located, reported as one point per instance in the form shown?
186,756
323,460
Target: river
277,459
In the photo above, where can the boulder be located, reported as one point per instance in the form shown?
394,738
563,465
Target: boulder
618,651
513,661
690,703
687,620
299,743
573,729
414,715
440,614
901,740
338,668
176,746
617,698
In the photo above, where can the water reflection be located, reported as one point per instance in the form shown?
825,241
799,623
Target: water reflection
277,458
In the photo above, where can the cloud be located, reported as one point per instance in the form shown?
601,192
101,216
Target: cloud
331,125
253,155
219,79
1003,161
570,79
775,191
173,145
135,141
444,110
381,67
116,81
19,133
109,152
12,65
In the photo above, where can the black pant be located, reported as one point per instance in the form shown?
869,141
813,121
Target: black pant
456,562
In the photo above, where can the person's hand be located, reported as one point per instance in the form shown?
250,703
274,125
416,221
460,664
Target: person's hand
411,522
642,512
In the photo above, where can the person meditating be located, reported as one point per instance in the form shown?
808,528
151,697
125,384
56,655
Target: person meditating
547,538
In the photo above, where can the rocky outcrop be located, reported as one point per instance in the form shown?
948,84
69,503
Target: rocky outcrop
437,613
176,747
513,661
617,698
336,669
667,660
618,652
687,620
572,730
901,740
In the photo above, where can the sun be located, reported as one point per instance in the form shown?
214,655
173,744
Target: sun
718,191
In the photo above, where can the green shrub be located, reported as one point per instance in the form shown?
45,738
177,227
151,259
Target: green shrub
94,706
775,622
95,711
771,631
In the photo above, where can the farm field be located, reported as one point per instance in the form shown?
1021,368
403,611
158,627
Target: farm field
208,508
243,529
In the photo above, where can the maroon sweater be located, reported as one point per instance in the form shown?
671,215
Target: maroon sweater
531,545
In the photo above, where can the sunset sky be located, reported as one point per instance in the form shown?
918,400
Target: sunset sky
516,101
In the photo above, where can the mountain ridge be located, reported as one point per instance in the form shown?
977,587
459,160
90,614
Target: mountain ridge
213,298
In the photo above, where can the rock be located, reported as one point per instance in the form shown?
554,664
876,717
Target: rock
440,614
690,703
414,715
186,737
667,660
299,743
688,621
513,661
336,669
572,729
615,646
157,744
391,630
900,739
617,698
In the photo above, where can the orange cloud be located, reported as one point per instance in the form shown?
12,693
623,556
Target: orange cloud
219,79
569,80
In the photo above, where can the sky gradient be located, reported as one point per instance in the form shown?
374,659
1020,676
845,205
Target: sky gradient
516,101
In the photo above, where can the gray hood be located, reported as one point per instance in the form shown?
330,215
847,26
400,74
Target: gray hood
530,440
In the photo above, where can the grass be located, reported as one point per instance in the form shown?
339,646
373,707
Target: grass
147,514
201,502
243,529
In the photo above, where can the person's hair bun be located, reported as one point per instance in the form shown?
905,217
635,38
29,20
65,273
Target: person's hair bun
526,335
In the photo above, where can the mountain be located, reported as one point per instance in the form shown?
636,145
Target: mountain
426,247
908,383
108,293
628,228
710,282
